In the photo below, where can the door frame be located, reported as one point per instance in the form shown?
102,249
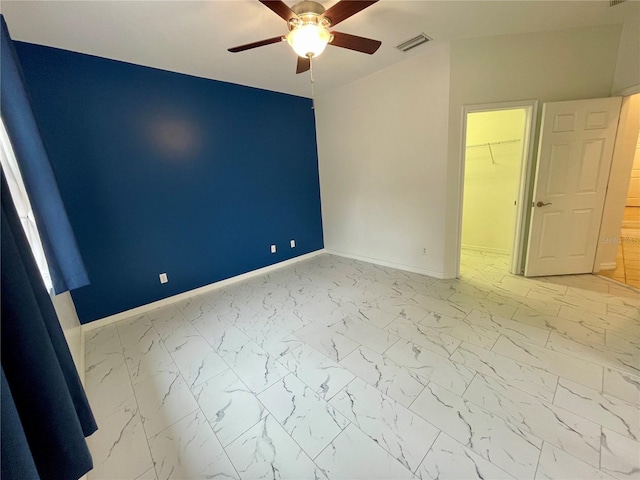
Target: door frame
526,174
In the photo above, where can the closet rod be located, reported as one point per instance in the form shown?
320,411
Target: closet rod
493,143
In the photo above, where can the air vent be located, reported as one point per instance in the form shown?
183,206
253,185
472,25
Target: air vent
613,3
414,42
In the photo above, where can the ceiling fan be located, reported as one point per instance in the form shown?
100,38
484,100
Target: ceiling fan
309,29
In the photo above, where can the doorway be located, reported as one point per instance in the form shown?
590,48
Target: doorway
495,184
627,268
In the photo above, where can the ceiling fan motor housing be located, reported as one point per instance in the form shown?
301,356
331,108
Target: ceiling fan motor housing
308,12
308,6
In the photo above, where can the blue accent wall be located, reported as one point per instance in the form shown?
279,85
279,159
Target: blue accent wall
164,172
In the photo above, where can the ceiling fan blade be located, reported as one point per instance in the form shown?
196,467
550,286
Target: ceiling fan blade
353,42
346,8
261,43
304,64
279,8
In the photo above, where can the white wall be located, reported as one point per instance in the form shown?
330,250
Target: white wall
491,179
389,144
628,60
382,147
70,323
547,66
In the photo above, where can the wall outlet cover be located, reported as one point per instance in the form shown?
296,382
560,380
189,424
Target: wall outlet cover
163,278
273,249
293,243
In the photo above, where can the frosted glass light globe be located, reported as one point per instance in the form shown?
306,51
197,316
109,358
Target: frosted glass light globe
309,40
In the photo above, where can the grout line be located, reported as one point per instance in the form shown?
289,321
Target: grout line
539,457
133,389
408,407
331,443
224,449
460,342
494,343
467,387
282,426
428,449
391,345
248,391
555,391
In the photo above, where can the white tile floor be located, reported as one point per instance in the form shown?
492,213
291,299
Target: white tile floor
339,369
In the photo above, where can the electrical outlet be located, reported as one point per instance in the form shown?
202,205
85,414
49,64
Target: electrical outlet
163,278
273,249
424,251
293,244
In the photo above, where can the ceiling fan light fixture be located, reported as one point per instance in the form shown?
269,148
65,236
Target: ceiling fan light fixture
309,39
309,25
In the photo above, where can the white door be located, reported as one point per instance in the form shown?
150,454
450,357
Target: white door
574,159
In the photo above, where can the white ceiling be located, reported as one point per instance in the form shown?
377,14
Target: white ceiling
193,37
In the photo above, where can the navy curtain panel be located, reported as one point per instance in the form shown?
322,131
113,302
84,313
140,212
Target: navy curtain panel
45,412
16,455
63,257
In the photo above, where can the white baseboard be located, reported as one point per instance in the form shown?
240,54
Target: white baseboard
630,224
449,276
607,266
207,288
476,248
619,284
384,263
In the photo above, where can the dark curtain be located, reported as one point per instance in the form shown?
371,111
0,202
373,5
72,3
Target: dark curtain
16,456
45,412
65,264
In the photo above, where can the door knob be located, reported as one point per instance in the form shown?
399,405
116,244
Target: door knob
542,204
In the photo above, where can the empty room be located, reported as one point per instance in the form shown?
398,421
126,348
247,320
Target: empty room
333,239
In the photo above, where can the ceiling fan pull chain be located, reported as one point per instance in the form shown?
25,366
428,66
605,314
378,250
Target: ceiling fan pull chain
313,80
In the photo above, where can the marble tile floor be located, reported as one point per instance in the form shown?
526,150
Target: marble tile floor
338,369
